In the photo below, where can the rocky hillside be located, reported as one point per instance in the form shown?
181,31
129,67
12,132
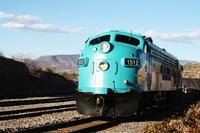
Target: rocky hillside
183,62
191,70
16,80
59,63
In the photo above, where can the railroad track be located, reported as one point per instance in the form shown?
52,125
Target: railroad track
77,126
4,103
33,112
93,124
23,113
22,108
152,113
81,124
29,108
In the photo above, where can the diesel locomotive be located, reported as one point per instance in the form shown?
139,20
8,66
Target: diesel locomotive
121,72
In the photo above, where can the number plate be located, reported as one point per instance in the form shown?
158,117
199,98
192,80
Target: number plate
132,62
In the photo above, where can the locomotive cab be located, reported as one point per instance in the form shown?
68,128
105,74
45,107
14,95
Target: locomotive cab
108,69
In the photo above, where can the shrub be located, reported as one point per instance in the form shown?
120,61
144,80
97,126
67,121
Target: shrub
70,76
49,69
190,123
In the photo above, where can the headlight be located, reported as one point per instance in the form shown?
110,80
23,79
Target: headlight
103,66
104,47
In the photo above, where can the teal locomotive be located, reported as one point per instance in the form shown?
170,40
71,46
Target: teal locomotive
120,72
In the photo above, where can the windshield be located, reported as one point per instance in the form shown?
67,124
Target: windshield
127,40
100,39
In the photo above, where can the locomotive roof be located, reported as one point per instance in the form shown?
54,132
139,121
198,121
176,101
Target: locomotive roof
117,31
158,49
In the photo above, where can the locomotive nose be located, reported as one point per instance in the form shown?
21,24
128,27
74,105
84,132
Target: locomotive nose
104,72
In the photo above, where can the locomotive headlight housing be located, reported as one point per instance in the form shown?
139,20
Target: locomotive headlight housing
105,47
103,66
82,62
125,81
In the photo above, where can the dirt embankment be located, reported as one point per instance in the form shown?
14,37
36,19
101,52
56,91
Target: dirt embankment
16,80
191,83
191,76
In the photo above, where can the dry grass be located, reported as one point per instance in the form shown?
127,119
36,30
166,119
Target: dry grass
190,123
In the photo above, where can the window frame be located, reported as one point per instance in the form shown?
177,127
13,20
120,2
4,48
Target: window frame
131,40
100,39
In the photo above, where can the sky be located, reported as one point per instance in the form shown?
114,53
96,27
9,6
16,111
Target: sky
32,28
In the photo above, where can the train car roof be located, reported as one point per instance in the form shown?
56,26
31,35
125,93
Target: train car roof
163,51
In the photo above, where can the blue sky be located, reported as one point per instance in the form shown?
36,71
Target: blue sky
47,27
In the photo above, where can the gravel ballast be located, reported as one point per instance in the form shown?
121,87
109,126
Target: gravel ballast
13,125
20,124
132,125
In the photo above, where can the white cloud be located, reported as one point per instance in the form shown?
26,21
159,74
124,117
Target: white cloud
51,28
29,22
6,15
40,27
19,18
13,25
24,18
182,37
